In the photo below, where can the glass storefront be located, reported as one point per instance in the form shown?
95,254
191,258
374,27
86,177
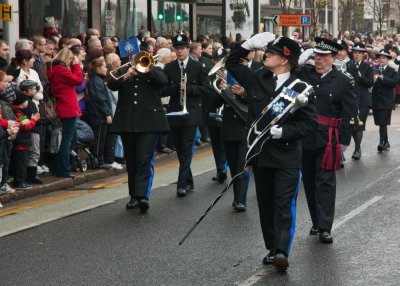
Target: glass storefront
171,11
123,18
70,17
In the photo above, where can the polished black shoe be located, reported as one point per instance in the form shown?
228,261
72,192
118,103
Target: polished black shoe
281,262
325,236
239,207
380,147
222,177
356,154
133,203
314,230
181,192
269,258
189,188
386,146
143,205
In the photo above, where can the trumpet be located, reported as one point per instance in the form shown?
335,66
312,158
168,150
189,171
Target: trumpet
182,98
143,62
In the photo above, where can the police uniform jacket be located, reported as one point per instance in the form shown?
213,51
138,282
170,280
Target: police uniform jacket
233,127
197,85
364,82
383,92
335,97
285,152
139,107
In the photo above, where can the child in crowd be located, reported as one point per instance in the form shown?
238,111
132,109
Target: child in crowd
30,88
23,141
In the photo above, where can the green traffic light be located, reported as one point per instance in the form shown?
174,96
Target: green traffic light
160,17
178,17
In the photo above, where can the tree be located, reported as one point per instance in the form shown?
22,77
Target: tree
316,7
349,10
285,6
380,11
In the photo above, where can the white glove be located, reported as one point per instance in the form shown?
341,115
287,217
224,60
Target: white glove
301,100
343,147
305,56
276,132
258,41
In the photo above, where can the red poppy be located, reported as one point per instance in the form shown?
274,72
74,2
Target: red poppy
286,51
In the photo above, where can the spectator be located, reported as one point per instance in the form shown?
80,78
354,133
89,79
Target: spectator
64,74
23,141
100,115
30,88
39,49
4,53
25,61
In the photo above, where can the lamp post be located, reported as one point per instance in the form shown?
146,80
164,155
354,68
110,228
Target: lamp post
335,18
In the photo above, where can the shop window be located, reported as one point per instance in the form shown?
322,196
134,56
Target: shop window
69,17
123,18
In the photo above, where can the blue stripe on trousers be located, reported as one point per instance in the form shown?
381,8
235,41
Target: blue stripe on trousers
151,170
293,209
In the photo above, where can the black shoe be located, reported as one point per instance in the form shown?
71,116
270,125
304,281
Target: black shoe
166,150
31,173
356,154
386,146
325,236
189,188
141,203
380,147
181,192
23,186
281,262
222,177
239,207
35,181
314,230
269,258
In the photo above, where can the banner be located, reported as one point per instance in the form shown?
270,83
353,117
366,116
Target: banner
128,47
239,18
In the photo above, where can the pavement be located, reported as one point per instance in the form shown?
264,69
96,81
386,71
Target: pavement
52,183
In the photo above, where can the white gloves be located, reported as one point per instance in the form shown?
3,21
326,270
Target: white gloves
258,41
276,132
301,100
343,147
305,56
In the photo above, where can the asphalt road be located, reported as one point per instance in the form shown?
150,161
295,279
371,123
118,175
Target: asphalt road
109,245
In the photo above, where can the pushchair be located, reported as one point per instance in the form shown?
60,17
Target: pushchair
81,157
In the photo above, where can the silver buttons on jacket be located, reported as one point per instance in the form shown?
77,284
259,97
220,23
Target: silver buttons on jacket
135,102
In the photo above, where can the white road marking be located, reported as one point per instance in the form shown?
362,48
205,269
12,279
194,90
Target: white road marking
259,275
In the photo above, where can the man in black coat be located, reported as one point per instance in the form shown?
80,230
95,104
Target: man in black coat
383,97
335,101
277,168
364,80
139,119
184,126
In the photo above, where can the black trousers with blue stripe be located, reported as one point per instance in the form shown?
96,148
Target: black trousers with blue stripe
139,149
276,196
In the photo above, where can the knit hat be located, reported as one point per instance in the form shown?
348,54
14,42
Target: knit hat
21,98
26,84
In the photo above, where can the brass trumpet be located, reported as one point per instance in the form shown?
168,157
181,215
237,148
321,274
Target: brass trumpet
143,62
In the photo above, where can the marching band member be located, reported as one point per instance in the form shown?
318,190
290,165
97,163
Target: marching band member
383,97
335,101
364,80
139,119
184,127
277,168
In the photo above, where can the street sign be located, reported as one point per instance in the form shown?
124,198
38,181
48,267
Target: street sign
293,20
5,12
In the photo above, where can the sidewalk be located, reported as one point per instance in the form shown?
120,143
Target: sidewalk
51,183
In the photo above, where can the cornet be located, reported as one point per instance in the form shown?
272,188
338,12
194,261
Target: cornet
143,62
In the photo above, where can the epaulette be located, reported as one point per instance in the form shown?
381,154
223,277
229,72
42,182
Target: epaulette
351,78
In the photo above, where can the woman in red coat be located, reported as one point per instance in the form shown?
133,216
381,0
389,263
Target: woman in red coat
64,74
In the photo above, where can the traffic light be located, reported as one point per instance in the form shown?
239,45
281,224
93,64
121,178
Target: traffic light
160,11
178,14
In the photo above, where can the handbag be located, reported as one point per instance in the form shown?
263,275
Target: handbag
47,108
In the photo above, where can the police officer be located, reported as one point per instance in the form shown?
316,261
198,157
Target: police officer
139,119
383,97
335,101
234,135
184,127
277,167
364,80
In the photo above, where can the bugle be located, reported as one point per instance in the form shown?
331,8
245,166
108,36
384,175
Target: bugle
143,62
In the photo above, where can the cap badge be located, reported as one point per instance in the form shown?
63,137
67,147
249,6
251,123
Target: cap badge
179,38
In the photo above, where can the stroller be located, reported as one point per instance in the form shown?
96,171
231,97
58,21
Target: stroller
81,157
